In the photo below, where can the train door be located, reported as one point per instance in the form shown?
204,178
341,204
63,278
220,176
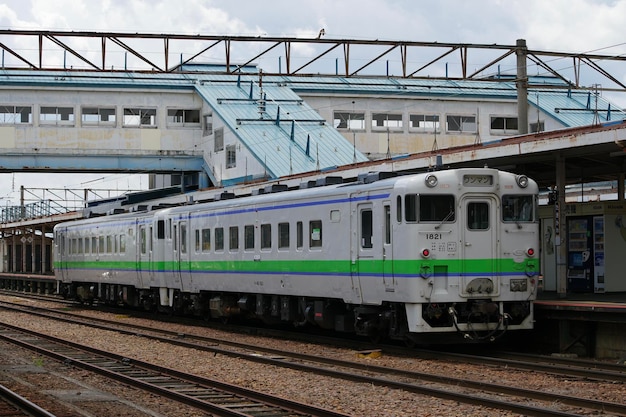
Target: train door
479,245
144,255
387,255
181,254
369,252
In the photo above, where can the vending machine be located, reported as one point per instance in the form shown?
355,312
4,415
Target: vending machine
585,254
579,254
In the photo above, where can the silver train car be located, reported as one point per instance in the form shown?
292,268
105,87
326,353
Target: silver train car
419,257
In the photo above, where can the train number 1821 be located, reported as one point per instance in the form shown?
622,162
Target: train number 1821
433,236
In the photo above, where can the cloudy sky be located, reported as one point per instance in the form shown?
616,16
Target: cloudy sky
558,25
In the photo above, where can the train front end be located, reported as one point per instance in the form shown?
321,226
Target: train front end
477,243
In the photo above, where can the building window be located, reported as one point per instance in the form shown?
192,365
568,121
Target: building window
139,117
384,121
208,125
466,124
219,140
231,156
504,125
98,116
184,118
537,127
56,115
424,123
352,121
13,115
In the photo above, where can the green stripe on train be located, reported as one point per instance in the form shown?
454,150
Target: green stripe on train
369,266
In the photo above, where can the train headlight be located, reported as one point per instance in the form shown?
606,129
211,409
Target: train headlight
431,180
530,252
425,253
522,181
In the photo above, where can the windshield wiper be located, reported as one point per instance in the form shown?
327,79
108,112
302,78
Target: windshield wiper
445,219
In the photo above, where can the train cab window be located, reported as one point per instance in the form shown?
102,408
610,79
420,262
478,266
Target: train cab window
299,235
248,237
436,208
410,207
478,215
517,208
219,238
367,223
233,238
206,240
266,236
283,235
160,229
122,244
315,234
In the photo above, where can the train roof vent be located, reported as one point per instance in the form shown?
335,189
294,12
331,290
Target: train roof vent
369,177
225,195
330,180
276,188
307,184
140,207
116,211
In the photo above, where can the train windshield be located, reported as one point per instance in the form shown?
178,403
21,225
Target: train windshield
430,208
517,208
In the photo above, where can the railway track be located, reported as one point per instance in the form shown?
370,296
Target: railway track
208,395
415,382
14,405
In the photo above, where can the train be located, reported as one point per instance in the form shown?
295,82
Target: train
439,256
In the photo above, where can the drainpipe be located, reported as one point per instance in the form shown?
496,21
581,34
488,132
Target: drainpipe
522,87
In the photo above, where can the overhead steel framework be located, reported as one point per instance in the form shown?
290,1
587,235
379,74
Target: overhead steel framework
163,53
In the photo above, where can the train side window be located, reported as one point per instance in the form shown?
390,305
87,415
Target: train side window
122,244
410,207
387,210
206,240
219,238
367,221
109,244
299,235
266,236
197,234
101,244
80,245
478,216
315,234
283,235
87,251
248,237
94,245
233,238
399,209
160,229
436,208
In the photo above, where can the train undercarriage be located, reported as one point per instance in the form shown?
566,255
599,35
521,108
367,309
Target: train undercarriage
476,320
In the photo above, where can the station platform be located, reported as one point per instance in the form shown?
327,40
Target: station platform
587,324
